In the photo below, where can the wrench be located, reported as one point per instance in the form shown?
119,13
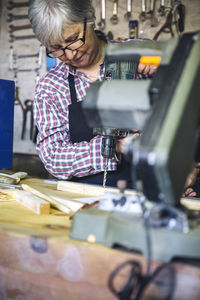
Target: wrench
143,15
40,57
15,56
161,10
12,17
101,24
13,28
20,38
151,12
114,19
127,15
11,59
16,70
12,5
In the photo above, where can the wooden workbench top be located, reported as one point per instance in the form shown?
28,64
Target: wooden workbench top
39,261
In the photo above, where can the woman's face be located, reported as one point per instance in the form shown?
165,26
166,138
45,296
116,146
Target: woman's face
84,56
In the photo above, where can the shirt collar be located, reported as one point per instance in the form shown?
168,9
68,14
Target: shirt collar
72,70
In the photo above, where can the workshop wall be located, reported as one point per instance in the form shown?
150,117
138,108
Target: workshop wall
12,49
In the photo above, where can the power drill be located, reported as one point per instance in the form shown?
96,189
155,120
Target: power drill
108,147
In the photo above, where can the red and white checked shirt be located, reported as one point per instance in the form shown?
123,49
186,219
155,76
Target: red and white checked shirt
61,158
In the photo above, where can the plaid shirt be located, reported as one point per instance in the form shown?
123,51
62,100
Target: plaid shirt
61,158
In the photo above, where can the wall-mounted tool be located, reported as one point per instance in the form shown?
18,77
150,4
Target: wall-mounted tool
143,15
16,70
11,4
114,19
17,99
179,15
128,14
167,26
13,57
101,24
28,109
161,9
40,57
13,28
12,17
151,12
20,38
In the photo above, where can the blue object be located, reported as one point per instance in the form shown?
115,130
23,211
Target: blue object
7,96
50,63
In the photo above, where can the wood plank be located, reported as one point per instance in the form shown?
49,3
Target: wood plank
32,202
61,206
17,219
87,189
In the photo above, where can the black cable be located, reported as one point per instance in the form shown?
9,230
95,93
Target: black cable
146,280
132,283
137,283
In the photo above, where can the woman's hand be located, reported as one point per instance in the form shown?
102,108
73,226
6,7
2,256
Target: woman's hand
147,69
121,143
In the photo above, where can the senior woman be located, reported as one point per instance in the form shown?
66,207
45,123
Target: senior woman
65,144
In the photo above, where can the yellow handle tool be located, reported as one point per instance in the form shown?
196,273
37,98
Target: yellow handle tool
150,60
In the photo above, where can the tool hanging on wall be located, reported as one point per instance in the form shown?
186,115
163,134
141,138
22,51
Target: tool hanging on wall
128,14
14,38
13,28
151,13
167,26
17,98
20,56
102,23
161,9
14,57
12,17
114,19
28,109
11,4
143,15
179,16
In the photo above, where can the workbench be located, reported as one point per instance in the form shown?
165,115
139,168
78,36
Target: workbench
39,261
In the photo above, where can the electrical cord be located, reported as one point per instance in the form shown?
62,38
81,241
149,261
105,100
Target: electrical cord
137,283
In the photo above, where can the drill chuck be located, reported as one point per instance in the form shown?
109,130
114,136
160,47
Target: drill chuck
108,147
110,137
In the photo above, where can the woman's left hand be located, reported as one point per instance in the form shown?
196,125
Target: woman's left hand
147,69
121,143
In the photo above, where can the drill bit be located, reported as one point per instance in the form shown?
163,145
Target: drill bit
105,174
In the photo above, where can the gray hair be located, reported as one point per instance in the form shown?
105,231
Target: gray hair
49,17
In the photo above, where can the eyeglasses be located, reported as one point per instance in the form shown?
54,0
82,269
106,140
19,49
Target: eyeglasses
75,45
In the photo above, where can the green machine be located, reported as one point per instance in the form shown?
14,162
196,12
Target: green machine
166,109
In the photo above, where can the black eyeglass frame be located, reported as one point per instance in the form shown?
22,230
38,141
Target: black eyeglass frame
67,47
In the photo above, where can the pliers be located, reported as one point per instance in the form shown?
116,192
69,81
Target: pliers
167,26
